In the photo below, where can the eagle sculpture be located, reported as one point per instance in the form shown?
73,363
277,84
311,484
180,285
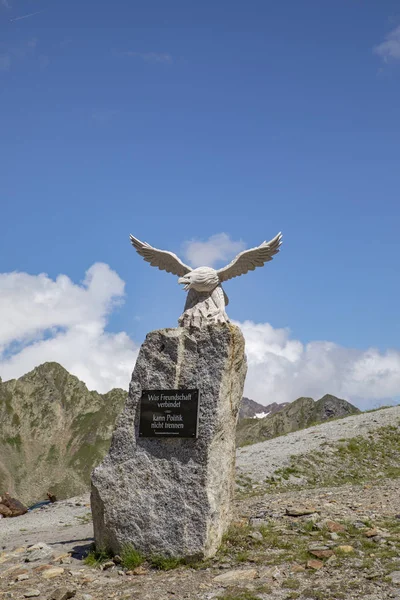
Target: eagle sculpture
206,300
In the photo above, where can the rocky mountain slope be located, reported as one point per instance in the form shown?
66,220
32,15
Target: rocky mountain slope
301,413
373,438
52,431
249,408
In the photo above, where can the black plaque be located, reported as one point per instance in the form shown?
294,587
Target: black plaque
169,413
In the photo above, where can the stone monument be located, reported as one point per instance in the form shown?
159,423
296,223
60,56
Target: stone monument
166,485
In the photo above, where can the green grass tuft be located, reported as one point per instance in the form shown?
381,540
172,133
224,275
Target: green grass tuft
239,595
131,558
166,563
96,557
291,583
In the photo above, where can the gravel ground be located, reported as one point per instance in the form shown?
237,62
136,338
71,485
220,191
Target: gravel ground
259,461
278,564
64,525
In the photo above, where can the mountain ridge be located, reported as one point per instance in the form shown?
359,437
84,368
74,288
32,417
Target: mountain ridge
250,408
299,414
53,430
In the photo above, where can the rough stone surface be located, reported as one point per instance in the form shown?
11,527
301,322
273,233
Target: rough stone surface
236,575
39,551
53,572
63,593
173,496
395,577
315,564
14,506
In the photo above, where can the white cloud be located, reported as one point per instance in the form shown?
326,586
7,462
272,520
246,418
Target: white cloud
150,57
46,319
58,320
5,3
282,369
390,48
217,248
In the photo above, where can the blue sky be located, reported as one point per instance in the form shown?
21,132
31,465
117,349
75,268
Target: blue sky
178,121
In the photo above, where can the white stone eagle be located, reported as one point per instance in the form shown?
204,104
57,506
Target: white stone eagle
206,299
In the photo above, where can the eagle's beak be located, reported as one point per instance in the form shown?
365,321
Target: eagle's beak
185,281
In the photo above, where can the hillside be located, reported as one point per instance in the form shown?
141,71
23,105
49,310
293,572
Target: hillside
53,430
362,447
301,413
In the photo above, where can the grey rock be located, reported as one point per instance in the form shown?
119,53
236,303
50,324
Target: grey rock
257,522
109,564
395,577
172,496
63,593
39,551
31,593
317,547
299,511
256,535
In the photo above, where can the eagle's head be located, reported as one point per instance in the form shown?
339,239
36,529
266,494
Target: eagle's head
202,279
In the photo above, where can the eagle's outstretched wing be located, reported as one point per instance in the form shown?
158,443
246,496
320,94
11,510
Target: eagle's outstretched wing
164,260
248,260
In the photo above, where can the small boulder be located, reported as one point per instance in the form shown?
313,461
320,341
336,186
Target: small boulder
334,527
257,522
346,549
42,568
62,593
315,564
395,577
39,551
53,572
16,507
297,568
371,532
138,571
256,535
321,553
298,511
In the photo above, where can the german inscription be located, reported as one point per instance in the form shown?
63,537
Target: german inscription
169,413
